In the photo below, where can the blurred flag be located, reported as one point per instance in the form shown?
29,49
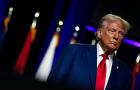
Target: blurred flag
23,56
45,67
47,61
5,29
135,71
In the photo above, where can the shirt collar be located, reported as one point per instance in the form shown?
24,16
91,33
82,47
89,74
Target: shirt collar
100,51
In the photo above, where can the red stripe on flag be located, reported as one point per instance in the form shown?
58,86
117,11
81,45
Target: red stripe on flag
23,56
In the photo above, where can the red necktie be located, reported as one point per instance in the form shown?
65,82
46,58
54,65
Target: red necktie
101,74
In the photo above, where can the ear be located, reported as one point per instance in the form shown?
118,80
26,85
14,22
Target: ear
98,34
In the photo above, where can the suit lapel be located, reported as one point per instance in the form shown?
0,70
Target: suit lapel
92,64
92,67
114,72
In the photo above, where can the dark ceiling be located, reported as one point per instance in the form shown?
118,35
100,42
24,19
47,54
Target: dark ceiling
127,9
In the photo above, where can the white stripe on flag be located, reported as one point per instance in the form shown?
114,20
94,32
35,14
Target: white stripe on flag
46,64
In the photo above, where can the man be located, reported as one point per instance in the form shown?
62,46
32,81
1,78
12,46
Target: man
94,67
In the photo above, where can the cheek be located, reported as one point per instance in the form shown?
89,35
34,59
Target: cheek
120,40
107,38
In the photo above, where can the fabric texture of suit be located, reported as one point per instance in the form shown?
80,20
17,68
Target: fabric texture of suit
76,69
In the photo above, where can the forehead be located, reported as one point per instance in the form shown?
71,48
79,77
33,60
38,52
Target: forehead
116,25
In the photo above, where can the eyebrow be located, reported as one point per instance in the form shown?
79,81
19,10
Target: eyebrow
117,30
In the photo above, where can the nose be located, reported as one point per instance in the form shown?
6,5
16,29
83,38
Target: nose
116,35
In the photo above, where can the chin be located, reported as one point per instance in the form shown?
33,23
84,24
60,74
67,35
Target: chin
113,48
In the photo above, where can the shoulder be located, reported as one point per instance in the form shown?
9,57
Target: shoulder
79,46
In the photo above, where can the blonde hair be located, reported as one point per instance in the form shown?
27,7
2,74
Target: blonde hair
109,18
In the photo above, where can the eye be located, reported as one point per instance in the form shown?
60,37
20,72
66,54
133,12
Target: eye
112,30
122,34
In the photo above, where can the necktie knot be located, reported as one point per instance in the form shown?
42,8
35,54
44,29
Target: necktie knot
105,56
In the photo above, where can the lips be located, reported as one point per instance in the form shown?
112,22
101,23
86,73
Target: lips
114,43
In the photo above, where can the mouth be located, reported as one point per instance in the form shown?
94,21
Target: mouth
114,43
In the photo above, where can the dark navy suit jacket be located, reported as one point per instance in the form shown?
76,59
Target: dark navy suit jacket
76,69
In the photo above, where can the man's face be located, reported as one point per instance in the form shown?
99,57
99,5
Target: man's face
111,36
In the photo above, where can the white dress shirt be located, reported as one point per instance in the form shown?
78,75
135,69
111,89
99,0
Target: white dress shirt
109,62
